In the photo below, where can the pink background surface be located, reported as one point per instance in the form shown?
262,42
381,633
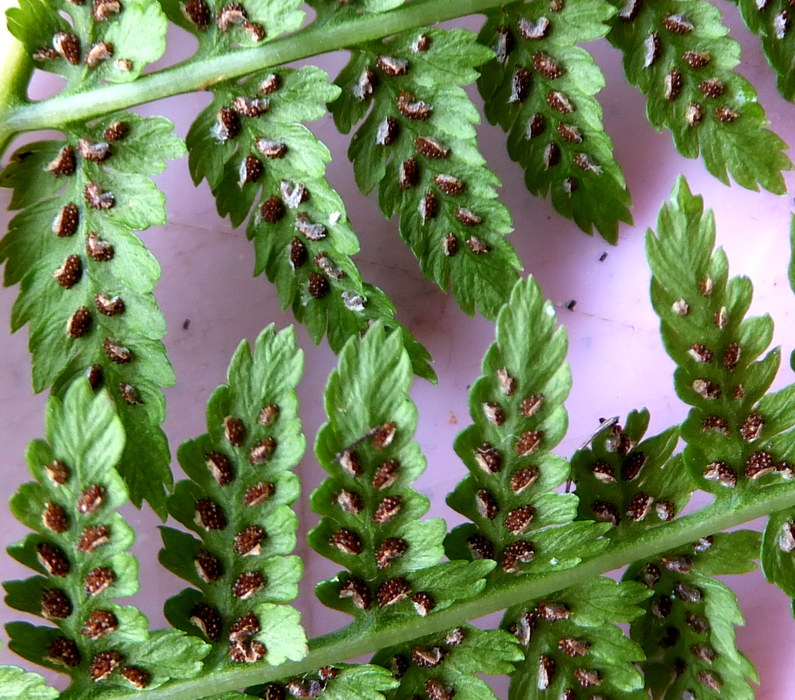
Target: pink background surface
615,352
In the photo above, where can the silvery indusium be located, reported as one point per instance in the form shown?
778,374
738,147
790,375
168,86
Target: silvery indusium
86,286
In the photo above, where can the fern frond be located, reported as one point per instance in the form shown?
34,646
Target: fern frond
629,482
772,21
517,408
250,144
371,521
677,53
79,550
16,683
417,145
344,682
687,631
86,280
334,12
572,645
90,43
540,89
238,503
448,665
222,26
736,436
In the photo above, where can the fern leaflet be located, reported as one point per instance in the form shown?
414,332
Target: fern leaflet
540,89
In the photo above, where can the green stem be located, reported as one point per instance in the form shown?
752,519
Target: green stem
347,643
17,68
198,74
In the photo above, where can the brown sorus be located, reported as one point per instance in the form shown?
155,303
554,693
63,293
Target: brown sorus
392,591
130,394
672,85
488,458
208,620
528,442
98,52
318,285
532,30
385,474
423,603
387,132
520,85
233,14
97,198
69,274
605,512
759,464
63,651
67,220
430,148
98,580
350,462
91,499
209,515
486,504
546,671
207,566
409,174
522,479
228,124
384,435
136,676
68,46
519,552
559,102
731,356
248,584
603,472
248,542
450,244
639,506
752,427
99,250
109,306
390,549
358,591
234,431
99,623
198,12
268,414
55,604
220,467
116,353
93,536
64,163
571,646
480,547
54,518
387,509
116,131
392,65
518,519
547,66
677,24
258,493
411,108
346,541
52,558
696,59
79,323
722,473
468,217
535,125
261,451
272,209
449,184
271,84
429,206
105,663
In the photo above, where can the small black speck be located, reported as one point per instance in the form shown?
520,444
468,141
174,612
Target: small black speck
603,257
570,304
186,324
